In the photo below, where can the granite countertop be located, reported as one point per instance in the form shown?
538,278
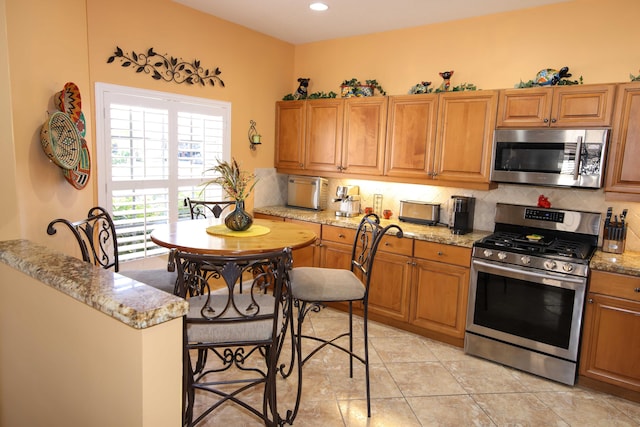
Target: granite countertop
436,233
131,302
626,263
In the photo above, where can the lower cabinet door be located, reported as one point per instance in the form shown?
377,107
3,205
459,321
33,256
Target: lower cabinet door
389,288
611,341
439,297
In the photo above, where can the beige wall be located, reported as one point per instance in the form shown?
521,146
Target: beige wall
593,38
65,364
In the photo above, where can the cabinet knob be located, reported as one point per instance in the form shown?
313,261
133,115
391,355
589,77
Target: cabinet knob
636,290
546,120
389,244
301,165
434,174
440,253
553,120
341,236
590,300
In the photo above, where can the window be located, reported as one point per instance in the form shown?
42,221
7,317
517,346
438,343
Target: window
152,151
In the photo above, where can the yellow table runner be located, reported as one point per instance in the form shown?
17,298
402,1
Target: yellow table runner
253,231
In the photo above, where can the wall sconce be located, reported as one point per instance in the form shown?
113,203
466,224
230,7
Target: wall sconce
254,137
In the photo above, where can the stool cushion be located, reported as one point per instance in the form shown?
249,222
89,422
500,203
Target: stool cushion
236,330
325,284
158,278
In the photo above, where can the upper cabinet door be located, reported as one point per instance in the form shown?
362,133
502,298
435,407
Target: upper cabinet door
364,135
290,134
557,106
623,165
464,140
521,108
324,134
583,106
411,135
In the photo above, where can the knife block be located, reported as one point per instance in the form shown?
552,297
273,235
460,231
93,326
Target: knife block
614,238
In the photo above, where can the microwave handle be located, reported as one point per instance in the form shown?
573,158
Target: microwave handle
578,162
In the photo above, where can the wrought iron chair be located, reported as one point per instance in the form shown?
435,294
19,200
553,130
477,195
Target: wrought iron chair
96,236
241,332
204,208
310,287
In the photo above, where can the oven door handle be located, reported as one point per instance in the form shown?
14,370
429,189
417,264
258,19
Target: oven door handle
578,161
546,278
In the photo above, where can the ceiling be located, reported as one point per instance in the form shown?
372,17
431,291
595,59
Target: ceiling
293,22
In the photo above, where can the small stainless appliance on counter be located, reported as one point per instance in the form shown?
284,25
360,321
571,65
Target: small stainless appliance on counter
349,198
419,212
307,192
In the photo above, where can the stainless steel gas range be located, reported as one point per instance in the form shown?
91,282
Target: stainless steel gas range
527,289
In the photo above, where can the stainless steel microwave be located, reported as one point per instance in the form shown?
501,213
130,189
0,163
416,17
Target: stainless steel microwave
550,157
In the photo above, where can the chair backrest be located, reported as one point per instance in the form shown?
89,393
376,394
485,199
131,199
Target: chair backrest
197,273
365,245
96,236
205,208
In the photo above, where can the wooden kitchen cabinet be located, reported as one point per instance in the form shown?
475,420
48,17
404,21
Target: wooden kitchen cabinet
439,289
290,135
623,165
323,134
411,136
611,335
389,287
363,139
464,136
442,139
557,106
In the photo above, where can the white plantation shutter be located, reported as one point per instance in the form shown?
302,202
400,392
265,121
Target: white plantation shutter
152,151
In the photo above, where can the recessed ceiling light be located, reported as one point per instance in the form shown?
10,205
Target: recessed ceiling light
318,6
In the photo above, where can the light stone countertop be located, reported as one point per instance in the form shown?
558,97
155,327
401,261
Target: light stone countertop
436,233
626,263
131,302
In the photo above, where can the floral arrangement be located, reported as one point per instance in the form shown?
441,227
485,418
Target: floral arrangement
237,183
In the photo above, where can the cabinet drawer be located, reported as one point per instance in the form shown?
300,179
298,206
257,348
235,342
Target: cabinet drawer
615,285
449,254
391,244
338,234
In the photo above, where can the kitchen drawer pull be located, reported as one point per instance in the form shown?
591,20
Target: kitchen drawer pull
341,236
387,244
440,253
636,290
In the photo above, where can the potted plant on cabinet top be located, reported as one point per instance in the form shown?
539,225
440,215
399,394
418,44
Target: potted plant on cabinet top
354,87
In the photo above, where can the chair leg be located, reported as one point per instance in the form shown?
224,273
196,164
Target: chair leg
366,358
188,394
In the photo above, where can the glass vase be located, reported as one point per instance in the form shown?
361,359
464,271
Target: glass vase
238,219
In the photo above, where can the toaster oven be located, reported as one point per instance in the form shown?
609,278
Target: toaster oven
307,192
419,212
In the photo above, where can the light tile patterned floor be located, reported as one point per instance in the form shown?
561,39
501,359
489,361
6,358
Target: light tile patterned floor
420,382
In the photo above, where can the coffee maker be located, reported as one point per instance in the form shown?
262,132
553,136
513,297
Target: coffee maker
349,198
461,214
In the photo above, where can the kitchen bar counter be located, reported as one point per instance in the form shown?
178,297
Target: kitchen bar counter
437,233
126,300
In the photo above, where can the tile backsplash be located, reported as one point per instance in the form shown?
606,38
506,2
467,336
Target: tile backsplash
271,190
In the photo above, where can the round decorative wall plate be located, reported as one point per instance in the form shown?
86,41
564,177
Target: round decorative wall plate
79,176
69,101
61,141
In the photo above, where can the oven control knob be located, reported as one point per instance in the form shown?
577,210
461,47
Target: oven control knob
526,260
549,264
502,255
567,267
488,252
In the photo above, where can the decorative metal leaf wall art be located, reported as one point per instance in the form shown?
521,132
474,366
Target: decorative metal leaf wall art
168,68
